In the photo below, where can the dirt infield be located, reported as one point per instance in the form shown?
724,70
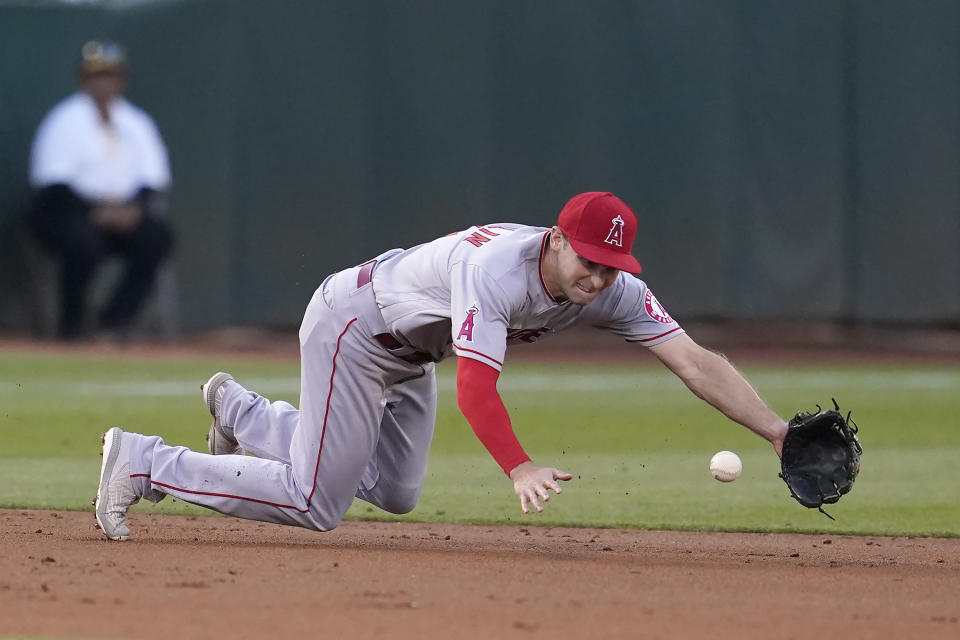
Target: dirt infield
215,577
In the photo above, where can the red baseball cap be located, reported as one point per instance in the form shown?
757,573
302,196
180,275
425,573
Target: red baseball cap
601,228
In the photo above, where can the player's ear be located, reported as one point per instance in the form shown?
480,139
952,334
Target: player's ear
557,239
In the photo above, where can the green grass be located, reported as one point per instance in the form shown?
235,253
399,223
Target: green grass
636,440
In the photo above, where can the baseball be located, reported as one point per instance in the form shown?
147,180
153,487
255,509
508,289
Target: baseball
725,466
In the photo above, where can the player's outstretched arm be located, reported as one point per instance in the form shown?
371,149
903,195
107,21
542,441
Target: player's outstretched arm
532,484
712,378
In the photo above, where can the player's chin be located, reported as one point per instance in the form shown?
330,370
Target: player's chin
582,296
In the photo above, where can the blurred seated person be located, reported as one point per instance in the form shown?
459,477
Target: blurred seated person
99,174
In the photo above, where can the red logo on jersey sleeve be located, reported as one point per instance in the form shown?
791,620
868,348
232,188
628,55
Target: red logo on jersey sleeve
654,309
466,329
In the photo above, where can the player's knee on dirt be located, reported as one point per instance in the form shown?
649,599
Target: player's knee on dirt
404,504
318,521
394,499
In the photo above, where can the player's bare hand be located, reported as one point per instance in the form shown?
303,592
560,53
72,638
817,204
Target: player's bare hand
533,484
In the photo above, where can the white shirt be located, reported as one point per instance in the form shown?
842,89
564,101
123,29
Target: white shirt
472,292
98,160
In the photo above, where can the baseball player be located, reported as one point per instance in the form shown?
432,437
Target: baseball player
369,341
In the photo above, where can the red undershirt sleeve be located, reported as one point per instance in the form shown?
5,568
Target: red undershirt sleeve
483,408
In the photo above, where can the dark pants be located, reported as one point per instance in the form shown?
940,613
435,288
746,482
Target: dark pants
63,223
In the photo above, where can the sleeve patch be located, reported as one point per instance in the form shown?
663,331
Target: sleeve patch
654,309
466,328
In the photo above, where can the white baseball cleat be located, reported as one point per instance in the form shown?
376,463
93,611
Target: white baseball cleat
115,494
219,442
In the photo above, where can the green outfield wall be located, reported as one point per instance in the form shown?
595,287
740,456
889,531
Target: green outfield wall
785,158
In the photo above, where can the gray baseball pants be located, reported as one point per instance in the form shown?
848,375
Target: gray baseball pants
363,429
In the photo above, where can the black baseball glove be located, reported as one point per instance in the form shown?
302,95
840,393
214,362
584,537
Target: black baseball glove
821,457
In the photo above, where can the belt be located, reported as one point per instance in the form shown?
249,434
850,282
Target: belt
386,340
366,273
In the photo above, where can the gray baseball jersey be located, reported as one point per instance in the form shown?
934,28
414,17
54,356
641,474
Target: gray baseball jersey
473,292
368,341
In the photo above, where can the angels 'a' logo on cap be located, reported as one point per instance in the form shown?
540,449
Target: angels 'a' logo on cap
615,237
466,329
